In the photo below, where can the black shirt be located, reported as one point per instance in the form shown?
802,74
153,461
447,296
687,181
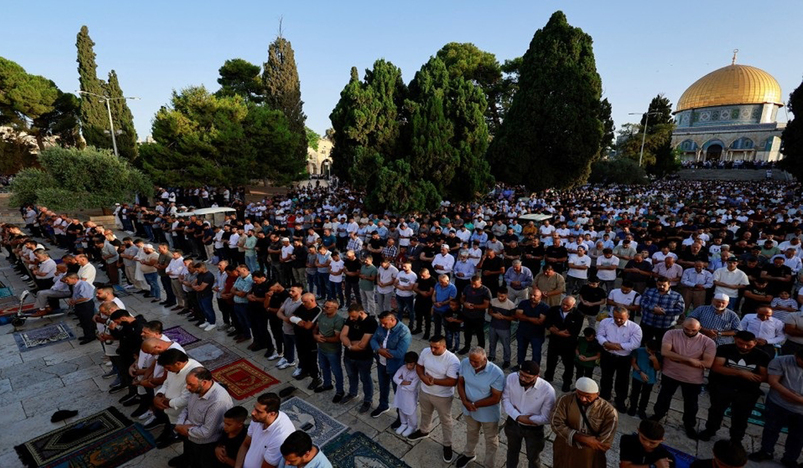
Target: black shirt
425,285
303,335
358,328
751,361
458,314
573,322
591,295
232,445
259,290
630,449
208,279
352,266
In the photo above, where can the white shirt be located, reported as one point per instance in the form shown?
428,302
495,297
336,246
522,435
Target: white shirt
629,299
447,365
87,273
404,236
174,388
443,264
628,335
266,441
607,275
336,266
406,279
174,267
538,400
577,260
386,275
770,329
724,275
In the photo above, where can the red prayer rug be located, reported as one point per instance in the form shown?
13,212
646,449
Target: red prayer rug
242,379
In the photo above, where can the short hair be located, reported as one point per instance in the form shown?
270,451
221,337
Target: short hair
298,443
202,373
652,430
237,413
662,279
589,331
118,314
172,356
386,314
745,335
410,356
653,345
271,401
154,326
476,278
258,274
530,367
355,307
439,338
730,453
477,350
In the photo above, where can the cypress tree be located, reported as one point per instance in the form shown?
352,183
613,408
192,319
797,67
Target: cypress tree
283,92
123,120
94,117
553,130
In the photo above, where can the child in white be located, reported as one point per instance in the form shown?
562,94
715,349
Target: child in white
406,398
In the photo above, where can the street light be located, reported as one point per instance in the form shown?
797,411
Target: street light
643,131
109,110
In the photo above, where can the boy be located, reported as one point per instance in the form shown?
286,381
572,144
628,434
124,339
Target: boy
502,312
234,433
587,353
454,323
406,399
645,448
645,366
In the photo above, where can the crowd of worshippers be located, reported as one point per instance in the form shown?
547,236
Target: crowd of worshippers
708,288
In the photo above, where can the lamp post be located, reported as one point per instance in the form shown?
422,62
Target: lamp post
643,132
106,99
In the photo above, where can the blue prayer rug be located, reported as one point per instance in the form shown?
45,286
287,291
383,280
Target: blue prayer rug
308,418
44,336
358,450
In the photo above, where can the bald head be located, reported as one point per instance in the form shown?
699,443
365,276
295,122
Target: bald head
155,346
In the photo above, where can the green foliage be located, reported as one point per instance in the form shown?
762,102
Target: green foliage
201,137
123,119
617,171
240,77
312,138
659,157
282,90
792,136
608,128
94,117
15,155
72,179
553,130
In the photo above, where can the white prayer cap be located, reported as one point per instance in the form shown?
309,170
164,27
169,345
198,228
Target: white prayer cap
586,385
148,246
722,297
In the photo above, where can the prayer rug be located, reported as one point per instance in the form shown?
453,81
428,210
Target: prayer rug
212,355
12,310
358,450
51,449
180,336
114,450
308,418
44,336
242,379
120,291
682,459
757,416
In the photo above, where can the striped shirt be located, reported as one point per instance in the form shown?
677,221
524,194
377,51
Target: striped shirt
710,319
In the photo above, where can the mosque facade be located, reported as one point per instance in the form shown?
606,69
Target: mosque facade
730,114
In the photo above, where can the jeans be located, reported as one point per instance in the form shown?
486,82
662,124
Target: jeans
383,301
352,293
336,292
323,283
640,395
523,342
498,334
690,393
153,282
360,370
207,309
243,321
533,438
312,282
406,303
385,380
368,301
289,347
330,364
452,338
251,262
777,417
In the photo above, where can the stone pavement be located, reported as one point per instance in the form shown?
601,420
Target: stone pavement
36,383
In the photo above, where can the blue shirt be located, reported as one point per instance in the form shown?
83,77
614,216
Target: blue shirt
443,295
478,386
527,329
672,303
525,277
243,284
466,268
643,362
83,290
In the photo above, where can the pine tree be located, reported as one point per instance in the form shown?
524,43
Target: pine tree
123,120
94,117
553,131
792,136
283,92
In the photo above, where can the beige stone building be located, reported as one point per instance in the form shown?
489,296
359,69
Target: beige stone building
730,114
320,162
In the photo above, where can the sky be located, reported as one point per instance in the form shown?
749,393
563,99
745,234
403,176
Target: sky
642,48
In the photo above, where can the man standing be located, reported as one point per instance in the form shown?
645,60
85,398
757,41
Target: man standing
551,284
618,337
356,337
528,402
695,284
687,353
268,430
438,370
661,308
82,302
734,381
519,279
390,343
327,335
385,282
564,322
768,330
729,279
480,387
717,321
303,321
173,395
201,422
476,299
585,426
531,315
368,274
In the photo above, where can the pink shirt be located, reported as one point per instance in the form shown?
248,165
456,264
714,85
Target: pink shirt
700,347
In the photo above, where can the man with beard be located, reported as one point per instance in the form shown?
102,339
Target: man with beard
687,353
564,322
267,432
528,402
585,426
304,320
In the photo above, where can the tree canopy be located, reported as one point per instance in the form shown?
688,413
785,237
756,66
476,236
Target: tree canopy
659,156
239,77
553,130
792,136
70,179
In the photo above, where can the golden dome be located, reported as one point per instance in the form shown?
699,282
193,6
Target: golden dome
734,84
